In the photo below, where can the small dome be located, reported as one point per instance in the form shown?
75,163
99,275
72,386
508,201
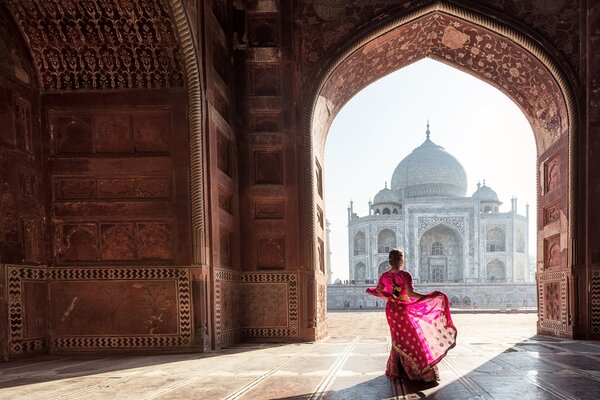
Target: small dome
486,193
429,171
386,196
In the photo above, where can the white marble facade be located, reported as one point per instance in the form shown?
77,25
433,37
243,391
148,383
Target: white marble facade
446,235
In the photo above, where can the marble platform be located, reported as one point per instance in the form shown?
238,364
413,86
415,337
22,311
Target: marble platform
498,356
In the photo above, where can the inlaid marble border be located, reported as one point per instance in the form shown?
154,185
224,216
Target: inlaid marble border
17,274
559,277
291,280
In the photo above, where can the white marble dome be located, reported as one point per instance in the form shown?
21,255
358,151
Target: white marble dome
429,171
486,193
386,196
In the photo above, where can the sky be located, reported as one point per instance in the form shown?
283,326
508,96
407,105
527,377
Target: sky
475,122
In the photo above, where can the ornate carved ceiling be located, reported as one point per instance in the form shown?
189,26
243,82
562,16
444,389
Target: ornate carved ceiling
104,44
471,48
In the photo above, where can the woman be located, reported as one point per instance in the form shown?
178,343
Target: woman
421,326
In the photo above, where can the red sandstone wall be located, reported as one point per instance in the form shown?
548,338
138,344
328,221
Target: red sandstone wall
22,191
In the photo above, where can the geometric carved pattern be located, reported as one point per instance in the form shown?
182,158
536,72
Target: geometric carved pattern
291,292
18,274
552,305
595,301
101,45
425,223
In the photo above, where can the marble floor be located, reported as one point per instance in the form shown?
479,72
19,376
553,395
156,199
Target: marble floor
498,356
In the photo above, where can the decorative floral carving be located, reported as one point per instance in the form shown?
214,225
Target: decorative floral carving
271,253
108,44
552,301
468,47
269,210
551,213
427,222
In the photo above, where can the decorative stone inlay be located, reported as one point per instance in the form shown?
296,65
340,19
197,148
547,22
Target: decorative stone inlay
101,45
291,291
595,301
552,289
425,223
18,274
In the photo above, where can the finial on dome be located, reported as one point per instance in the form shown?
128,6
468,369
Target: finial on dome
478,184
386,184
427,131
484,182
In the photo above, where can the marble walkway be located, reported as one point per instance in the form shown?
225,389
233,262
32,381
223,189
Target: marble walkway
498,356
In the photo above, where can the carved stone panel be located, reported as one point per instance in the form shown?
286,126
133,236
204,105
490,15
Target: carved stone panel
112,134
224,153
116,188
552,174
227,305
78,242
74,188
110,45
553,311
152,132
35,303
31,239
22,117
267,140
321,254
133,307
117,241
265,122
153,188
319,178
27,185
265,305
551,213
552,252
320,218
225,247
226,201
552,301
154,241
270,304
72,135
263,30
271,253
268,167
271,209
264,81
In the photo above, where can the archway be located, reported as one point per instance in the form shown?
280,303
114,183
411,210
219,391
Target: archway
481,47
440,257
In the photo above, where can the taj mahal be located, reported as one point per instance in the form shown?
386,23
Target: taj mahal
447,236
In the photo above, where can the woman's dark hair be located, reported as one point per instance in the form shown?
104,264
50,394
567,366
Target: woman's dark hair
395,256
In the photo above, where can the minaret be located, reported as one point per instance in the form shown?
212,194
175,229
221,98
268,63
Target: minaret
370,207
527,211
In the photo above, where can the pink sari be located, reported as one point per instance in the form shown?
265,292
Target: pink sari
422,329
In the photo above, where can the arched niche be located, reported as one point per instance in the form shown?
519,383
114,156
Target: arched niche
497,53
